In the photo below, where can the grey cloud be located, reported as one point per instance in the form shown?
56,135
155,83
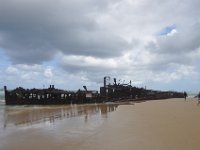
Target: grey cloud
182,48
182,42
83,66
33,31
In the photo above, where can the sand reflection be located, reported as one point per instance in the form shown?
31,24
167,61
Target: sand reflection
49,114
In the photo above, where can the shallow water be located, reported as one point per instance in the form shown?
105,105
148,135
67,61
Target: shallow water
20,125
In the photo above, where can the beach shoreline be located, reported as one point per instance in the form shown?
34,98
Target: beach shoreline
154,124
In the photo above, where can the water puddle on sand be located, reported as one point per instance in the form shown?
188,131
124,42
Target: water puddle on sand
25,116
59,122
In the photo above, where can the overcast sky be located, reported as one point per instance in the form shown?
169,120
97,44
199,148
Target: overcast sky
71,43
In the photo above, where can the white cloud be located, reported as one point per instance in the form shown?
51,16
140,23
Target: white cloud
12,70
88,62
48,72
174,31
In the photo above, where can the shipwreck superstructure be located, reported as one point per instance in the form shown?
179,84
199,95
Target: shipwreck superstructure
126,91
108,92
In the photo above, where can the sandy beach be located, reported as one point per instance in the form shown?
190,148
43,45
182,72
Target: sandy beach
172,124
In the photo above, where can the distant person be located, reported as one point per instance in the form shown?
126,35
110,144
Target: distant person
198,96
185,95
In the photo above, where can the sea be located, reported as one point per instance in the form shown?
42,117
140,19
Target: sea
2,97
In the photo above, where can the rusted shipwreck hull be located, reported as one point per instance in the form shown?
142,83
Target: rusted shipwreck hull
50,96
115,92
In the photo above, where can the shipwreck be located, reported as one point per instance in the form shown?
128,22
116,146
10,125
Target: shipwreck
114,92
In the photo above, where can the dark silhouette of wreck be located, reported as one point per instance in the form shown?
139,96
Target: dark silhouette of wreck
115,92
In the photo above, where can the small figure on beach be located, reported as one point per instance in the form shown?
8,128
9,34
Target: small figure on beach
198,96
185,95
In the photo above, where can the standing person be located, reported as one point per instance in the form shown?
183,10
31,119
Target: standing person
198,96
185,95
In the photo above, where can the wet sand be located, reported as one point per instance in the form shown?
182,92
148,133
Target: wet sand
172,124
